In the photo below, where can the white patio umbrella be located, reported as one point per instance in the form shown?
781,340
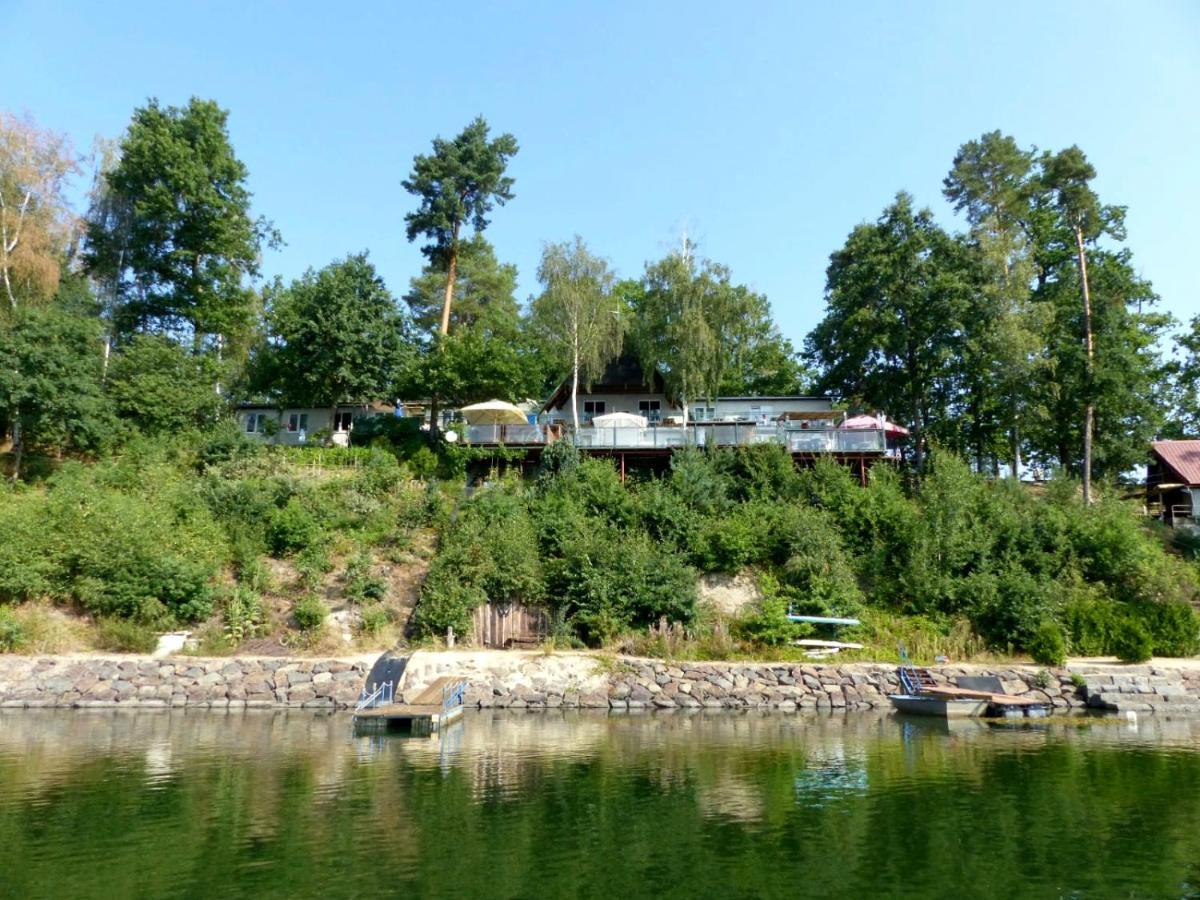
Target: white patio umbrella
493,412
619,420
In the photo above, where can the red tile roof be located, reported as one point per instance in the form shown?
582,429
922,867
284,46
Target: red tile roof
1182,457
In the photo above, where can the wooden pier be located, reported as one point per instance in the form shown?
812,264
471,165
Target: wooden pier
436,706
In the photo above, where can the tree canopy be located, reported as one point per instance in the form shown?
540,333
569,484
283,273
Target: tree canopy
171,229
458,184
581,319
336,336
37,227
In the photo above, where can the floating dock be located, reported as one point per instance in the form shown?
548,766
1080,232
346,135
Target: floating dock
436,706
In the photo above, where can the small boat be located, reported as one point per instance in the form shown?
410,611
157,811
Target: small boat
943,707
981,695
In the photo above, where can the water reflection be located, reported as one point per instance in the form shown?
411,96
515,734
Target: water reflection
185,803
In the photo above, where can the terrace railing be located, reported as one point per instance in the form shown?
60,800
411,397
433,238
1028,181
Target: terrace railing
720,434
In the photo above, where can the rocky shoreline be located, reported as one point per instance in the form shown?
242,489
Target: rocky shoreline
534,680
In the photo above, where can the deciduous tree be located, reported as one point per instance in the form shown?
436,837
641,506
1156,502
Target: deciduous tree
173,231
50,390
692,324
336,336
578,313
895,298
37,227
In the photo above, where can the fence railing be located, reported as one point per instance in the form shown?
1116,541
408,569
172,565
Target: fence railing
723,434
381,695
506,434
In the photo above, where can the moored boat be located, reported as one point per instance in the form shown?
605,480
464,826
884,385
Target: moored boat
943,707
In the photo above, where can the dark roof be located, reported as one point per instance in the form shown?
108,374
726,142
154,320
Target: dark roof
1181,457
624,375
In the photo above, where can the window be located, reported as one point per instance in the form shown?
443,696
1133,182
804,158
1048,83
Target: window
704,413
343,421
298,422
256,423
651,409
592,408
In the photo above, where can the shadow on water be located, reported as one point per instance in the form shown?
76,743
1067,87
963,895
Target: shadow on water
579,804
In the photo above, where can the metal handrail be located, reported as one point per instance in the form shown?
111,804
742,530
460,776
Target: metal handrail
380,696
452,696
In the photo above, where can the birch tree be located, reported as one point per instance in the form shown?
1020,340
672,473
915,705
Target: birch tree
694,325
36,226
578,313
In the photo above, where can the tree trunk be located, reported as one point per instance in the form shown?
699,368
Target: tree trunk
433,418
1090,411
18,449
575,392
451,276
104,362
1016,453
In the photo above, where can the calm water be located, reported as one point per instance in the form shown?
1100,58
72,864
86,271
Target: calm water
143,804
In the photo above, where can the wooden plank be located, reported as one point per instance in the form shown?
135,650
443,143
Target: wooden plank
433,693
1002,699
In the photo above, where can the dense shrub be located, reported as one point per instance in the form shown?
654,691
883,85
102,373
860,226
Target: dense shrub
490,553
1048,646
292,528
12,634
1132,642
26,570
160,387
608,582
1092,622
769,624
1173,626
310,612
362,585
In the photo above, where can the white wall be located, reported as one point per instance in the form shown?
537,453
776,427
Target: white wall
759,409
318,419
613,403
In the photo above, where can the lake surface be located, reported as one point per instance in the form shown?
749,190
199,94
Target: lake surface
289,804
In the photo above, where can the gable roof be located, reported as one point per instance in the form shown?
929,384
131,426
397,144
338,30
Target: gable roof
624,375
1180,458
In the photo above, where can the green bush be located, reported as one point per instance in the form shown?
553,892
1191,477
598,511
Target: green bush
769,625
1132,642
1173,626
26,563
12,634
361,585
374,618
1048,645
310,612
728,543
312,564
125,636
1091,623
292,528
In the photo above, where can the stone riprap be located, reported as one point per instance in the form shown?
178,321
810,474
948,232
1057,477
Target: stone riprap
535,680
1144,690
141,681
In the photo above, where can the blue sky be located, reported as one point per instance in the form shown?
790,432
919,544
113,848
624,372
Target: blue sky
766,130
